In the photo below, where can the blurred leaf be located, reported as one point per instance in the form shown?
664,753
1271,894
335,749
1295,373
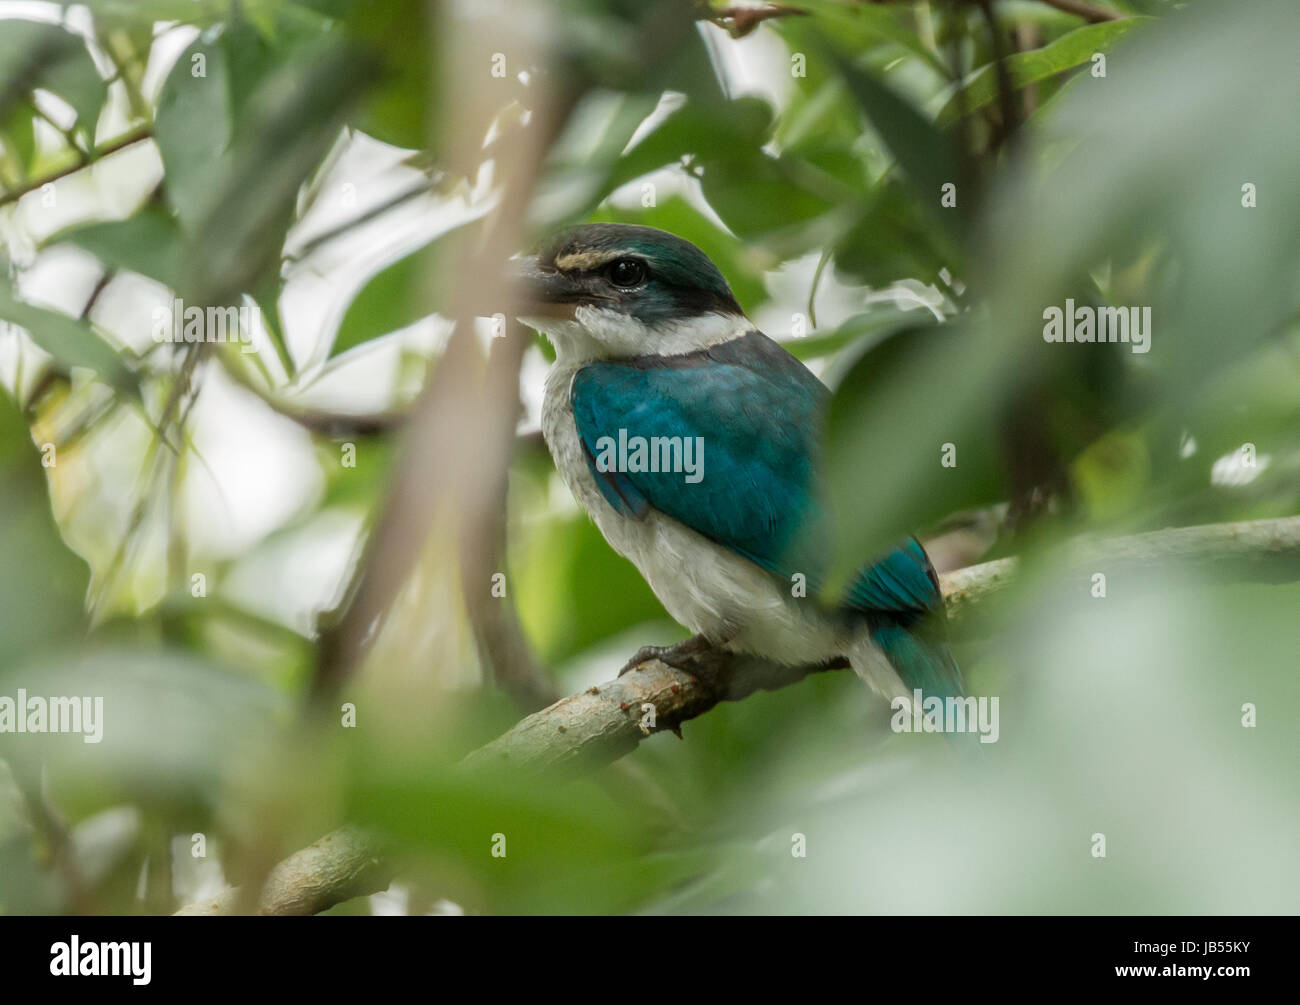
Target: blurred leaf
173,726
1024,68
194,126
702,132
1128,171
893,239
33,550
399,294
576,853
583,162
149,242
68,340
869,326
758,195
198,12
18,133
928,157
886,437
722,143
575,591
1112,473
35,55
641,48
267,297
238,199
860,26
402,34
76,81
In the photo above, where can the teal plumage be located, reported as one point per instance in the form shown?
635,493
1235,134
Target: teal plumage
758,412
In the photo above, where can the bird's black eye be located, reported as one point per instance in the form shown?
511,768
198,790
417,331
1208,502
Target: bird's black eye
626,272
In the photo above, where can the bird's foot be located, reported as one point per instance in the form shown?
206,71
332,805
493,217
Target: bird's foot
675,656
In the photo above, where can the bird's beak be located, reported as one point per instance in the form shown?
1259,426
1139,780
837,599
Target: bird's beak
542,291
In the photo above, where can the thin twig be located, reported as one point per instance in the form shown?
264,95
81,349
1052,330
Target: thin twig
84,161
740,21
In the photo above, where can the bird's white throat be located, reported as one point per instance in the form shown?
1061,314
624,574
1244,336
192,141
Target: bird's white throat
600,333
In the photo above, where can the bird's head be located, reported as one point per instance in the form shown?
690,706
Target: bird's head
611,291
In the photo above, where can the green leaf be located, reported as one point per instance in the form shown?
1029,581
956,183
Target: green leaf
894,239
217,94
705,132
876,324
575,591
928,157
33,550
174,721
397,296
754,192
35,55
758,195
1128,169
295,118
196,12
18,133
267,298
150,243
70,341
193,129
239,143
400,294
75,79
402,34
885,432
581,164
1024,68
861,25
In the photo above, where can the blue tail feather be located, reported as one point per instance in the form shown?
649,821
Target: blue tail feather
921,658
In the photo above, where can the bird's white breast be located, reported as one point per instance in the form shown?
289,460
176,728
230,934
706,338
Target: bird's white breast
704,586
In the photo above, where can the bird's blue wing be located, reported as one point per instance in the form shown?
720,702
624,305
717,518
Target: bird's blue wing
755,411
758,412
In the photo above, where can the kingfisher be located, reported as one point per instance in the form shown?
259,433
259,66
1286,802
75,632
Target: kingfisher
692,440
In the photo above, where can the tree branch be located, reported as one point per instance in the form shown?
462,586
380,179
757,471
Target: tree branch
341,865
740,21
604,723
587,730
83,161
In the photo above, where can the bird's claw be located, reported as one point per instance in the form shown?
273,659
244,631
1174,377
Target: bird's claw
674,655
644,655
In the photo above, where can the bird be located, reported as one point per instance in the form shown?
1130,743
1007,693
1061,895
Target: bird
693,442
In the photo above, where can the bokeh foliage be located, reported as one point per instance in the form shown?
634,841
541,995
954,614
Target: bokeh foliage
808,158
